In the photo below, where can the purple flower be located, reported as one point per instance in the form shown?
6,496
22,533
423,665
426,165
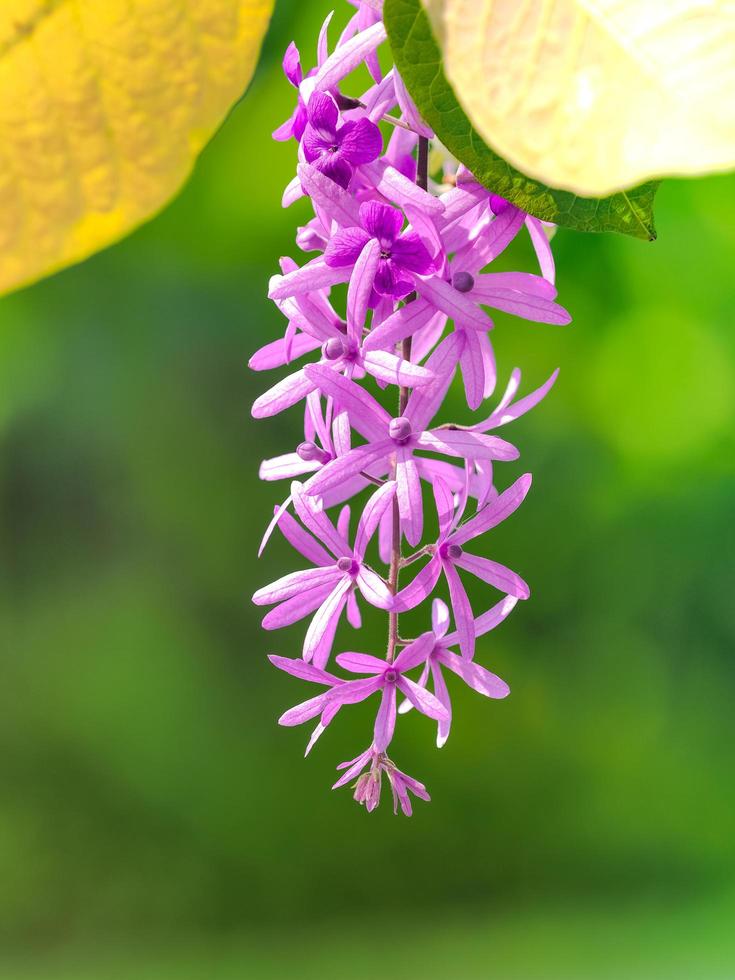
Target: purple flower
396,439
475,676
368,785
340,569
383,676
335,150
402,255
448,554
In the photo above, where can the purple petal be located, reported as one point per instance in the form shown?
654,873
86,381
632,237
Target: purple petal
367,416
320,635
310,277
352,768
360,142
534,308
278,352
420,588
381,221
360,289
424,402
361,663
286,467
473,369
282,395
335,168
344,249
385,720
304,711
494,616
302,541
442,696
444,500
395,186
371,516
415,653
466,445
292,610
410,252
542,247
307,672
390,281
408,109
352,692
439,618
333,200
501,232
312,516
462,611
394,370
295,582
343,523
494,574
374,589
477,677
522,282
503,414
322,45
459,306
323,115
340,470
421,699
348,56
353,611
399,325
408,494
494,513
292,65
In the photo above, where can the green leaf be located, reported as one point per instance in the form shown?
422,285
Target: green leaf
418,59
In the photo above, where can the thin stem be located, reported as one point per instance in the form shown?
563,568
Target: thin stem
422,179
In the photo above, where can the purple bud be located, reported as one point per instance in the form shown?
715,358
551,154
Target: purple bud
333,349
463,282
309,452
348,564
399,429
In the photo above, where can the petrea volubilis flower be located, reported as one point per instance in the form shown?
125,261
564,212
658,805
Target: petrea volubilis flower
396,297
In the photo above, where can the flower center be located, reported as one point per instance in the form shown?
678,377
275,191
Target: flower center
451,551
391,676
463,282
333,349
348,564
399,429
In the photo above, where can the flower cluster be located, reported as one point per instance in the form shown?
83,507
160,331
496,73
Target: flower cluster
407,252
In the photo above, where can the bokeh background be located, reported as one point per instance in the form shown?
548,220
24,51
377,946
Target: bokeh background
154,820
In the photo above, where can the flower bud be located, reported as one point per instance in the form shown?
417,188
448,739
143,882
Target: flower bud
310,452
463,282
399,429
348,564
333,349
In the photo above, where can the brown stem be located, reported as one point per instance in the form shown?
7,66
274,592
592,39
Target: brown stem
422,179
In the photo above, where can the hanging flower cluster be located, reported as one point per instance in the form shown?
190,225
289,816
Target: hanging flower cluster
412,253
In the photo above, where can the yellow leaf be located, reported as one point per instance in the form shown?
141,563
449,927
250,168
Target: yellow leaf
594,96
104,106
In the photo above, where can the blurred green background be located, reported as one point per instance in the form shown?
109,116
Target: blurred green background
154,820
